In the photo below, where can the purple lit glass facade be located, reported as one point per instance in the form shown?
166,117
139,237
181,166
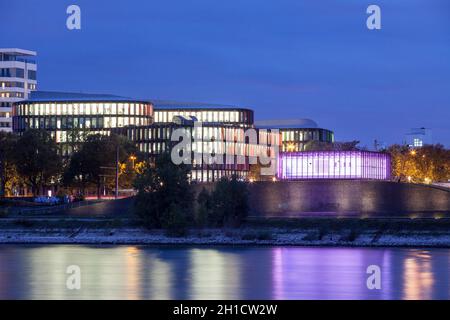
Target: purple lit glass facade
363,165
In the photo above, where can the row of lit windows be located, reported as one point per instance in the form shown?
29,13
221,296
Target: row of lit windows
11,84
45,109
165,116
207,133
306,135
216,174
78,122
67,136
11,95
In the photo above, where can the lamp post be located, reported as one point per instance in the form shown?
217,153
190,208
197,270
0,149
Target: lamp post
117,172
133,158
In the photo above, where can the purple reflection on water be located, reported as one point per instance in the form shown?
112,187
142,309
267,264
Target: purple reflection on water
140,272
341,275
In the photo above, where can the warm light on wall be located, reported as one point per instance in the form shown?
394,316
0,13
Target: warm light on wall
290,147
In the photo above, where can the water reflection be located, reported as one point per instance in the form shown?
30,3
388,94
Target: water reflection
134,272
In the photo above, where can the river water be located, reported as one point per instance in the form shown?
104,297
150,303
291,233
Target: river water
164,272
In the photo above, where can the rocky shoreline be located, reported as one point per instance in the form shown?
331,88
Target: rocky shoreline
247,236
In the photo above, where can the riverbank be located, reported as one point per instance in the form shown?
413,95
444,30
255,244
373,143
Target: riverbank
242,236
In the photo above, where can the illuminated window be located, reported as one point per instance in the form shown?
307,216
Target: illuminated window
418,142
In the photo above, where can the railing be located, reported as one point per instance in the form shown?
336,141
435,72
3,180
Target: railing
19,60
56,208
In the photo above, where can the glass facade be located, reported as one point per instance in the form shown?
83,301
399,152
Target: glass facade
80,115
334,165
295,139
242,117
232,146
223,132
62,118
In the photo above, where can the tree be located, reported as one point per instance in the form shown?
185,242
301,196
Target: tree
229,203
94,162
8,143
164,198
204,206
430,163
37,159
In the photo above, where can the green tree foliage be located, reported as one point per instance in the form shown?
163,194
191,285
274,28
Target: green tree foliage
430,163
204,207
37,159
165,198
229,203
8,143
94,162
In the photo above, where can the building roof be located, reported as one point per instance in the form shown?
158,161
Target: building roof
53,96
175,105
286,124
17,52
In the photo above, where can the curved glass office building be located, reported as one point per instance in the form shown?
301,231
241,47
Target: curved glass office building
165,111
297,133
62,113
150,124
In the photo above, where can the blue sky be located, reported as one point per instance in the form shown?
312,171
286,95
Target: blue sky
284,58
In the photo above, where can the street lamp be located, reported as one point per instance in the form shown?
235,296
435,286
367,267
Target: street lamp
133,158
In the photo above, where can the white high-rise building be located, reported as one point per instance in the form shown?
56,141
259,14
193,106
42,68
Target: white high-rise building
418,137
17,79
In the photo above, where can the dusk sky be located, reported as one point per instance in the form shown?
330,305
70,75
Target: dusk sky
284,59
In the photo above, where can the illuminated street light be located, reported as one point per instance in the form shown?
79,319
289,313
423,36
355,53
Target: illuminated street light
133,158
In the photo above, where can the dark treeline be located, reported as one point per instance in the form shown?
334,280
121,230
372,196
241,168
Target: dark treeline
33,162
167,200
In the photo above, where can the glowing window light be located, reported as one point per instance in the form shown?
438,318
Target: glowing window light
334,165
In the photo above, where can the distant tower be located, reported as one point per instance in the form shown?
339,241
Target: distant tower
17,79
418,137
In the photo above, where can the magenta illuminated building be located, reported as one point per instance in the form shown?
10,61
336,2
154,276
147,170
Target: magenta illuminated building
362,165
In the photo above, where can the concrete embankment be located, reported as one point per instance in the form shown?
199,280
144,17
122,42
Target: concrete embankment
309,232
